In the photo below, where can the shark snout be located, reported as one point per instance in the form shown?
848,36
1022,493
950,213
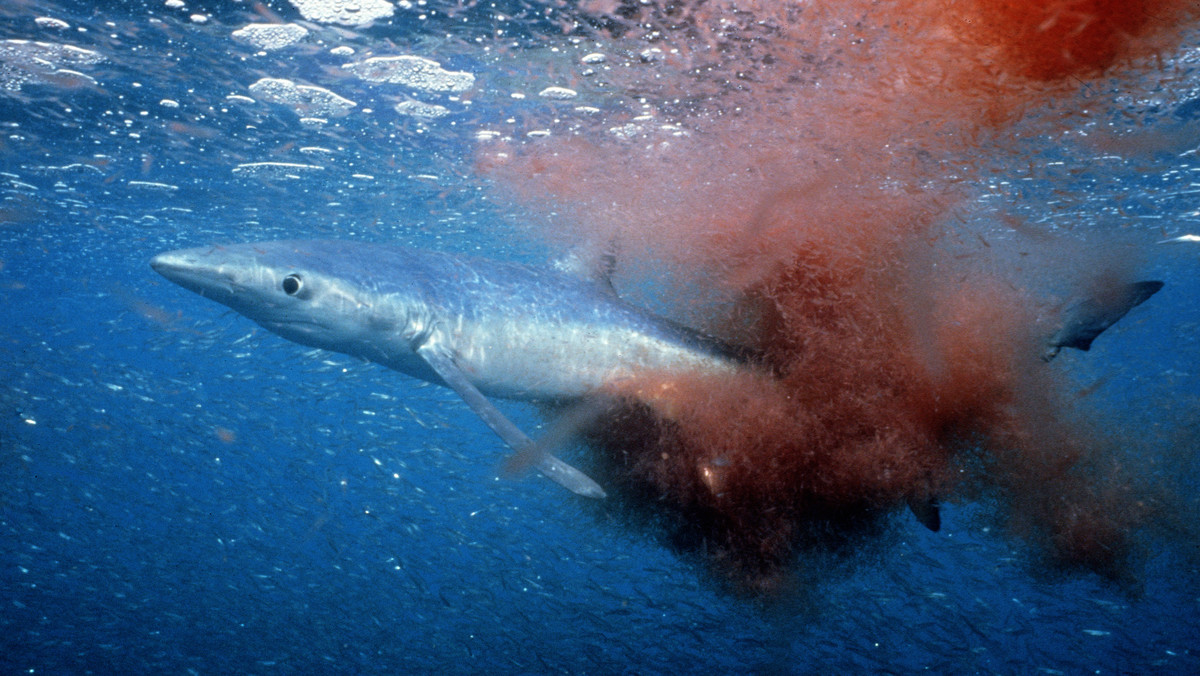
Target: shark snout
189,268
167,263
177,266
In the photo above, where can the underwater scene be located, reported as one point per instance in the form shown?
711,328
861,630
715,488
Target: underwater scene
599,336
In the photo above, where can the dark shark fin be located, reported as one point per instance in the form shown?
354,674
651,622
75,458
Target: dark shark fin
591,263
441,361
928,511
1088,318
603,272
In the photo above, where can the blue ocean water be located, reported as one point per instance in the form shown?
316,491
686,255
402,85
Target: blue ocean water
183,493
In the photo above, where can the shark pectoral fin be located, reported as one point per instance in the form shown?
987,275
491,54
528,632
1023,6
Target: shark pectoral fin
554,469
573,421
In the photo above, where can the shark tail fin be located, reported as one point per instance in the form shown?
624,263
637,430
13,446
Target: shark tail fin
1083,321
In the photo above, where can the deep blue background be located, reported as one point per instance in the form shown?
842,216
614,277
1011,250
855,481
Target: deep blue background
183,493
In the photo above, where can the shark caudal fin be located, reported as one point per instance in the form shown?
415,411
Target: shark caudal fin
1082,322
1088,318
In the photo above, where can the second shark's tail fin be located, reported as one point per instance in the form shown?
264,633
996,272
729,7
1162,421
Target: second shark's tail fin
1088,318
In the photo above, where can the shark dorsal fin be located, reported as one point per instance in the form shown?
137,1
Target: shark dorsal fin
588,262
602,273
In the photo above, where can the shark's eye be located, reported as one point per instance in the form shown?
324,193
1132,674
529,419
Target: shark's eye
292,284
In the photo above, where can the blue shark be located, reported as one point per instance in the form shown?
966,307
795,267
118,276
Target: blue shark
483,328
487,328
